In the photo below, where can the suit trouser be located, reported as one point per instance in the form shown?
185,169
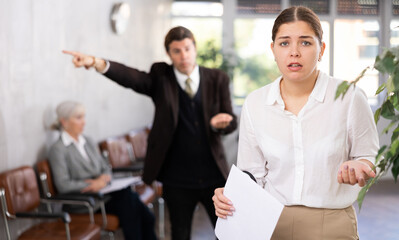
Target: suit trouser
181,203
136,220
300,222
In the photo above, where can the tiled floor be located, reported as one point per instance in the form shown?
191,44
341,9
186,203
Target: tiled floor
202,227
379,215
378,218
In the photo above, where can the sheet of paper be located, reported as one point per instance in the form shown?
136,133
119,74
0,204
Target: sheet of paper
256,211
120,183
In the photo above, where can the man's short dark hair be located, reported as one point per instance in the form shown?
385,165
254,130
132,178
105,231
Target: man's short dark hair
177,34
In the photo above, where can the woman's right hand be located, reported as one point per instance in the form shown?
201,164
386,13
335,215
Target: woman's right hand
223,206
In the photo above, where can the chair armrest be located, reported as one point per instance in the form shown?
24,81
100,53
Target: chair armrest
100,197
136,167
79,199
139,160
74,200
69,202
97,196
94,195
127,169
62,215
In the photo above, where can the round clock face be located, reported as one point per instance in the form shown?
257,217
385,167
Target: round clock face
120,17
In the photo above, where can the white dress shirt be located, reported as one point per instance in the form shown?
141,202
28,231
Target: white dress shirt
80,144
107,65
302,154
195,79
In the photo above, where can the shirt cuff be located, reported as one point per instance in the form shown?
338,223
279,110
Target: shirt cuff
214,129
107,64
217,130
370,159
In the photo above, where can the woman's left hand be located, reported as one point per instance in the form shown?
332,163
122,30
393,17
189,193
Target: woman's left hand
355,172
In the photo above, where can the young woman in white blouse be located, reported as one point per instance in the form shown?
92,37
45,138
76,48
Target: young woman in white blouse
311,152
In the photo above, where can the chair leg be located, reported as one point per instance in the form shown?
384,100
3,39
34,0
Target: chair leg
161,212
68,233
103,214
151,207
111,235
107,235
4,212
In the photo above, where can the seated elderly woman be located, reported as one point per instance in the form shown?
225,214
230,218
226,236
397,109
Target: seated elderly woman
77,165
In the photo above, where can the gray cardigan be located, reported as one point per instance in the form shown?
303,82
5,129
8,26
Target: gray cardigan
70,169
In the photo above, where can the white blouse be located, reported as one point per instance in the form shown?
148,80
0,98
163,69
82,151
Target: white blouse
80,144
296,158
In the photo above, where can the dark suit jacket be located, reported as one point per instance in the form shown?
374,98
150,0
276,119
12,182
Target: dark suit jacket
161,85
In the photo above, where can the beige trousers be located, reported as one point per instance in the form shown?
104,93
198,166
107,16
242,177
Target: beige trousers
304,223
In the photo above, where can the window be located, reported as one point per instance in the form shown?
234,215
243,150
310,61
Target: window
256,66
359,7
258,6
395,7
394,33
324,64
318,6
356,46
197,8
356,37
203,19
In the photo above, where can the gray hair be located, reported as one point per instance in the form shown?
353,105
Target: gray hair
65,110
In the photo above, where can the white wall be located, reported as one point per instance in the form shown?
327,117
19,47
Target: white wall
35,76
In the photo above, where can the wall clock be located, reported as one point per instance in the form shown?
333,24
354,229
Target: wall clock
120,17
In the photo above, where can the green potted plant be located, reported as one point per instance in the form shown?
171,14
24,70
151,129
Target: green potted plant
210,55
387,63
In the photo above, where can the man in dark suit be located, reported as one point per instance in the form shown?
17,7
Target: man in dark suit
192,110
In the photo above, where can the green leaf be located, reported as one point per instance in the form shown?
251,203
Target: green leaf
381,150
361,75
382,165
377,115
361,196
395,168
342,89
387,110
385,131
395,79
389,85
395,100
395,134
394,147
385,62
378,159
364,190
388,155
380,88
395,51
